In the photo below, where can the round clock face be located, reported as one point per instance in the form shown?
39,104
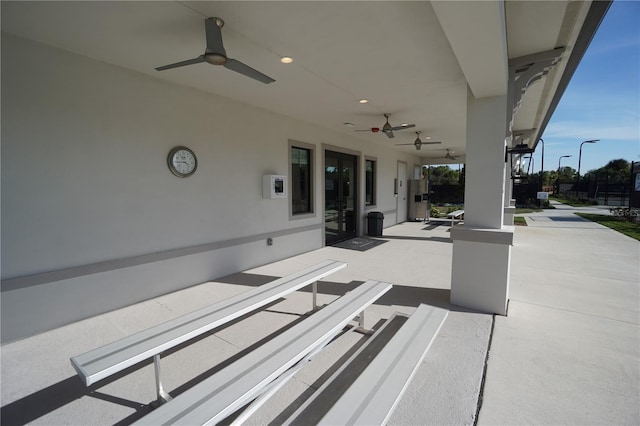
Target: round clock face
182,161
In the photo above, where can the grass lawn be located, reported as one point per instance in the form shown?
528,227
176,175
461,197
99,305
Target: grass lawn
519,221
627,228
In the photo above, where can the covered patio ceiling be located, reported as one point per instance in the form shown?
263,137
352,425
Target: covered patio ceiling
415,60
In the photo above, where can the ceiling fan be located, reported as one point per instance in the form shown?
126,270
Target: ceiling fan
448,155
216,55
418,143
388,129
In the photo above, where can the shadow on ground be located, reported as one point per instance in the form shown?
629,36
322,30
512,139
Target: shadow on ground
47,400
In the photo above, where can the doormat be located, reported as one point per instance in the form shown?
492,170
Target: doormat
359,244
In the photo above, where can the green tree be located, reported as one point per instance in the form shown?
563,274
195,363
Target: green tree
567,174
618,170
442,175
548,177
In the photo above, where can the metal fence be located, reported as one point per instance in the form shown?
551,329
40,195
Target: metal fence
598,188
447,194
634,199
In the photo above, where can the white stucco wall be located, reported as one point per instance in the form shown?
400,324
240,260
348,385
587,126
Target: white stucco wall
85,180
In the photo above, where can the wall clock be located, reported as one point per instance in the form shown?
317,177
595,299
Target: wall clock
182,161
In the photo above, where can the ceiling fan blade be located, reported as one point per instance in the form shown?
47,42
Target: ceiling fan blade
182,63
243,69
214,36
408,126
422,143
389,134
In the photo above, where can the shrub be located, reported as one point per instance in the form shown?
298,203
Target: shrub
625,213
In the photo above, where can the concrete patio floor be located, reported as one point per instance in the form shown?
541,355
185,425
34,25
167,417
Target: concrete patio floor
567,353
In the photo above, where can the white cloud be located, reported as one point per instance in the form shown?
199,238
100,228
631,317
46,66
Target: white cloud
582,130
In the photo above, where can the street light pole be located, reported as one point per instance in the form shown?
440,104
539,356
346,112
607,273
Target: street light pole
580,154
559,159
542,166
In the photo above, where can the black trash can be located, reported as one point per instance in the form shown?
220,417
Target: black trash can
374,224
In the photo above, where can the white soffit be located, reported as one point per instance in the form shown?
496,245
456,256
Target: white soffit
476,31
393,53
536,27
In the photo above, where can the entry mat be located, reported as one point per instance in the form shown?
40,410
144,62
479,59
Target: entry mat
359,244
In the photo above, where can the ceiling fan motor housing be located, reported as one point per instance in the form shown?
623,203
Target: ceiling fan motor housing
215,58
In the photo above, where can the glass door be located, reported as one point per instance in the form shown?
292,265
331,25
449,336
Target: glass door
340,184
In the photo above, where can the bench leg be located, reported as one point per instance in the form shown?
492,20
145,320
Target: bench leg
361,329
162,395
314,288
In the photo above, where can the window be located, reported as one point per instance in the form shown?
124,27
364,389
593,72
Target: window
301,160
370,182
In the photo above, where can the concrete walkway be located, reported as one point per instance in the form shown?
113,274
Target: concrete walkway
568,352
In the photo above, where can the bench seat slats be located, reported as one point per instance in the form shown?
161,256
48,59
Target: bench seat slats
116,356
237,384
373,396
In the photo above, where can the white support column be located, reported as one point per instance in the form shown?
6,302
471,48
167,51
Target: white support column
509,204
482,247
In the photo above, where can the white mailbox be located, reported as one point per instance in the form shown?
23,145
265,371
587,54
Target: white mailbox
274,186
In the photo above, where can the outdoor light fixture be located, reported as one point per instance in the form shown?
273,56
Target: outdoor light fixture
521,148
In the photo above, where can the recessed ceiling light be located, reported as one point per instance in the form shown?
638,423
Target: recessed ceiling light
286,60
427,137
363,101
347,124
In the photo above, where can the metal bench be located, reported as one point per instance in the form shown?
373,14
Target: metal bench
267,367
109,359
372,396
458,214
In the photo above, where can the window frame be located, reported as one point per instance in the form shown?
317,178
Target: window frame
312,179
374,182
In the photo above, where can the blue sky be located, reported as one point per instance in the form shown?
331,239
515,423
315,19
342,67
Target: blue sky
602,100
